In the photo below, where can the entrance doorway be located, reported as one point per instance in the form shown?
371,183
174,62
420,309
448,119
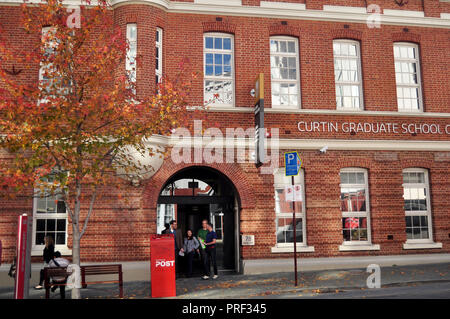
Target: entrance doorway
198,193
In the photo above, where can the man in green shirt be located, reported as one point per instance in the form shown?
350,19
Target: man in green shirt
201,235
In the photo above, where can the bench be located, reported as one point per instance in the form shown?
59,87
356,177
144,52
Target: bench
89,270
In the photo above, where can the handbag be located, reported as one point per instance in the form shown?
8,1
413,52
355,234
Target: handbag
12,270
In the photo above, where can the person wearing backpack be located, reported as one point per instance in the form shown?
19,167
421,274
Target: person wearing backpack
191,245
58,261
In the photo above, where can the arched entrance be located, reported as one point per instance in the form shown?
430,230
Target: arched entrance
196,193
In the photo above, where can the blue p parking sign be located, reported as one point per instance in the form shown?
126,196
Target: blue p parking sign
293,163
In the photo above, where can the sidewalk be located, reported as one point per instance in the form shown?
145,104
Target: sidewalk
234,286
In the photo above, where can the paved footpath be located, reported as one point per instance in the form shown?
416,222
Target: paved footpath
329,283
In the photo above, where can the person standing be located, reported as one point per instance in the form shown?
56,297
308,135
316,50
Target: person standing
210,243
191,244
48,252
201,235
178,238
166,229
58,261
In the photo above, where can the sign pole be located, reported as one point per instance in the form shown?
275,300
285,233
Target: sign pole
295,237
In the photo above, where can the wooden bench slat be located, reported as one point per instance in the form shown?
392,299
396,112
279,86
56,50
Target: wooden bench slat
86,270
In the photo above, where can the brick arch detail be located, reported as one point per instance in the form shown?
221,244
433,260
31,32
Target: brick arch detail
416,163
346,34
365,163
280,29
218,26
233,172
406,37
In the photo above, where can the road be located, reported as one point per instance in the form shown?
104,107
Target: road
437,290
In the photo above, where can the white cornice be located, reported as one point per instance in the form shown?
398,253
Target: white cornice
412,18
330,112
311,144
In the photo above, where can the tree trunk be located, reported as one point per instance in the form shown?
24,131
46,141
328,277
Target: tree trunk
76,294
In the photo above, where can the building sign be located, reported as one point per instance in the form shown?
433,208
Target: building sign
374,128
259,120
248,240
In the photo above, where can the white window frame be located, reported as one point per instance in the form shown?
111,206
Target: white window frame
297,66
427,213
359,70
36,250
299,179
419,75
159,47
365,214
128,66
219,78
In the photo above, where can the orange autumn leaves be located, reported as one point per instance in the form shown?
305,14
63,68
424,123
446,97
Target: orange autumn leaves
83,110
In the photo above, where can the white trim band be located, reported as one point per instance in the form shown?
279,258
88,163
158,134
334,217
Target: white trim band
300,249
422,245
345,9
358,247
283,5
404,13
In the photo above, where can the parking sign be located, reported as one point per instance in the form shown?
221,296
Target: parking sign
293,163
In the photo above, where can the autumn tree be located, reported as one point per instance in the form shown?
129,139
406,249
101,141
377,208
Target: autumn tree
78,122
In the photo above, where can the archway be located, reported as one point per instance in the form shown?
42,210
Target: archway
196,193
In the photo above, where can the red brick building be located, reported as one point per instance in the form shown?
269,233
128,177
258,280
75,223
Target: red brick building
360,89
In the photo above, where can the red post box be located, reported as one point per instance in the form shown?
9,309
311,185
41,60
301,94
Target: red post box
162,272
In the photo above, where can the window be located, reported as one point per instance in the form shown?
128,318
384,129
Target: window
49,219
407,77
165,213
355,206
130,64
347,74
284,72
284,209
51,80
158,55
417,205
218,61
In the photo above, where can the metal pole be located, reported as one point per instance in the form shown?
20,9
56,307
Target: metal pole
295,237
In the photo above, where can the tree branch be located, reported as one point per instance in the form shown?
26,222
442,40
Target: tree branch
91,208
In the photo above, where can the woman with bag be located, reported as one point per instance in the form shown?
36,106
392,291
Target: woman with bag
48,252
191,245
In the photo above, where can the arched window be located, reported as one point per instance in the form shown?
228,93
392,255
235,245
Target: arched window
218,52
347,74
284,72
284,209
49,217
355,208
407,77
416,196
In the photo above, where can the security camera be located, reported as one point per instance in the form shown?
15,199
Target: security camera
324,149
253,92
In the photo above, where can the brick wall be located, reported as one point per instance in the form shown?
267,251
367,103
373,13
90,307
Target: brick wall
125,217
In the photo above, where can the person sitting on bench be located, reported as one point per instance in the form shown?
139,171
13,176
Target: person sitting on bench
58,261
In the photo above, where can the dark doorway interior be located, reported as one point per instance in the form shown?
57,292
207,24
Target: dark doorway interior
201,193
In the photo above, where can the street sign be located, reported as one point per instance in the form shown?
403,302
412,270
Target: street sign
293,163
248,240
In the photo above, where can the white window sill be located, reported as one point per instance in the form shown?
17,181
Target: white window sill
358,247
300,249
412,245
64,251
